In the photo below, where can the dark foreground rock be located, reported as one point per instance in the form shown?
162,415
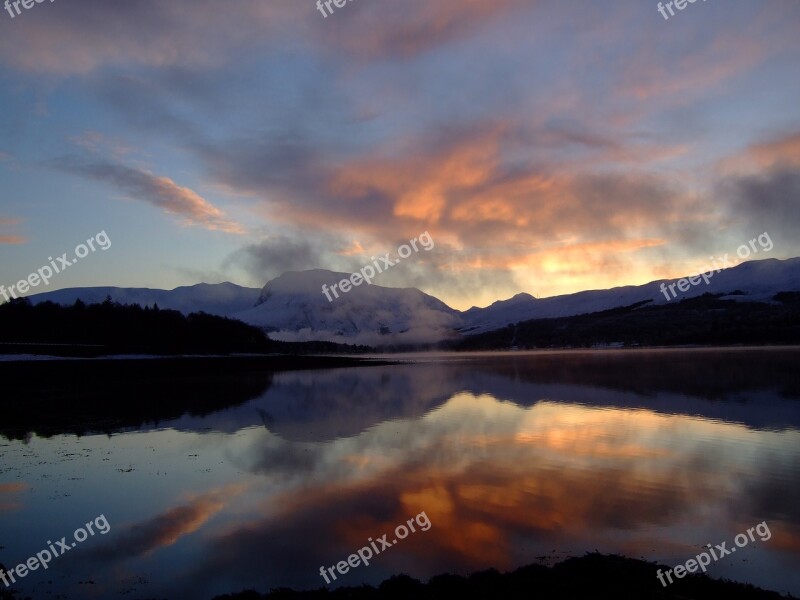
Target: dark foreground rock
594,576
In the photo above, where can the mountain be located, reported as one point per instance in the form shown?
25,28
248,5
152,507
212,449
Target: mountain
221,299
707,320
292,307
759,280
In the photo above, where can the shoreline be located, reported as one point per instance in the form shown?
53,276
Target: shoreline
594,576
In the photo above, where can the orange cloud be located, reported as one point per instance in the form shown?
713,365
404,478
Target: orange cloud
464,185
12,239
693,73
527,218
157,190
763,157
355,249
781,152
546,223
182,201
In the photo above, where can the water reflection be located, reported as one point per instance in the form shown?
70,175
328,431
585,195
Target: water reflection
503,483
512,458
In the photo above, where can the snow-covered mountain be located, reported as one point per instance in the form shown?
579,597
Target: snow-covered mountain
221,299
293,308
760,280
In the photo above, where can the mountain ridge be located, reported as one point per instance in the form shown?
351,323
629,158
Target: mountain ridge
292,307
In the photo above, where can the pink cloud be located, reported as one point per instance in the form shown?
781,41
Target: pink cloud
159,191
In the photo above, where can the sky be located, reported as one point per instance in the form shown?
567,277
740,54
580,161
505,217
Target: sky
546,147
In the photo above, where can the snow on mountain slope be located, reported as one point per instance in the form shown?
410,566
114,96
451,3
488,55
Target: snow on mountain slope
218,299
760,280
293,308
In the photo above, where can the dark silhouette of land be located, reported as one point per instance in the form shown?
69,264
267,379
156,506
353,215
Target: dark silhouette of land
708,373
706,320
591,577
95,330
104,396
112,328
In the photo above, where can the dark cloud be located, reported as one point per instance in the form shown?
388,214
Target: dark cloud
280,253
769,201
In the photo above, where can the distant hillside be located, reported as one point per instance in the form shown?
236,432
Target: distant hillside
758,281
221,299
706,320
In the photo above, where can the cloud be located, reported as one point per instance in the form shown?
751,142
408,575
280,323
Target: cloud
280,253
780,152
84,36
693,72
467,185
99,143
390,30
760,187
770,201
157,190
11,239
461,178
445,269
497,211
784,151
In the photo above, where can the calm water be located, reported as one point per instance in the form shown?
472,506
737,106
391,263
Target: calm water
514,459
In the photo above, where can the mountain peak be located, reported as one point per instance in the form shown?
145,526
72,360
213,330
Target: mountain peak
300,282
522,297
293,308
